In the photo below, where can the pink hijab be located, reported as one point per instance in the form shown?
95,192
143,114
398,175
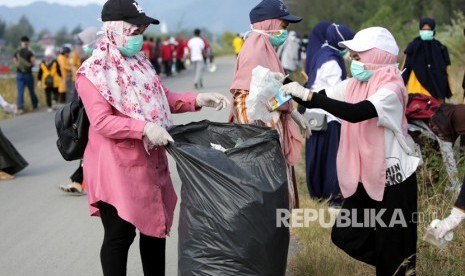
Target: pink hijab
257,50
361,154
129,84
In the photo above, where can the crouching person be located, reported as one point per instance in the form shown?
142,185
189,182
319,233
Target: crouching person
376,161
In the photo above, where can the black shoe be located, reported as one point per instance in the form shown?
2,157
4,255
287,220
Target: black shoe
196,86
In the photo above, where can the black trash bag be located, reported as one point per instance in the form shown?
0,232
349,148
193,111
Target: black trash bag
227,221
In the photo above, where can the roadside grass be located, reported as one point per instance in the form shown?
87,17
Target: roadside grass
8,92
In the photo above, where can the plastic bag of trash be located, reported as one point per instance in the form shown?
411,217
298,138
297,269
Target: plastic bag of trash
263,87
229,200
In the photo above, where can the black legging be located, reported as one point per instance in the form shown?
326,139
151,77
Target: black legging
51,94
78,175
118,237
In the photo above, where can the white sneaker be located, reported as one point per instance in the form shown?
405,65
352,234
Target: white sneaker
49,110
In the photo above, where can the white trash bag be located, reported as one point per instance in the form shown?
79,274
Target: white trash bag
263,87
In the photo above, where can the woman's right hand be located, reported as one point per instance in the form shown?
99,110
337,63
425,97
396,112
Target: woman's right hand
157,135
296,90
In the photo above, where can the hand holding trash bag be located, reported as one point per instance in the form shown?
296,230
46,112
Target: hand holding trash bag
157,135
303,124
215,100
296,90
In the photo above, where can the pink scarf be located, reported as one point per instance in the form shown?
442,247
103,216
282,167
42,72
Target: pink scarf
257,50
361,155
129,84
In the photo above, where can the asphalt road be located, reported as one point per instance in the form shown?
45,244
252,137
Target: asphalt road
47,232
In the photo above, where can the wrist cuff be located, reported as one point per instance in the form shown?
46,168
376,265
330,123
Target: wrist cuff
306,93
457,213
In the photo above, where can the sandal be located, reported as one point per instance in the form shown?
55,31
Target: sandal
6,176
73,188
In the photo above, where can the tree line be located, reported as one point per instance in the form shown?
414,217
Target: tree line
11,34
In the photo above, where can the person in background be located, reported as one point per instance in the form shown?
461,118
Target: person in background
376,160
11,161
326,69
237,43
269,21
125,165
289,53
197,53
303,51
316,38
156,49
167,56
49,78
66,83
179,54
76,57
88,38
24,60
146,46
426,64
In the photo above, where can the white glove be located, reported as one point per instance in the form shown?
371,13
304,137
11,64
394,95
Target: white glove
215,100
39,84
277,76
157,135
448,224
304,125
296,90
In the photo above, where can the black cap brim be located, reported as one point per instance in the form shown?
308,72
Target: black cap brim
143,20
291,18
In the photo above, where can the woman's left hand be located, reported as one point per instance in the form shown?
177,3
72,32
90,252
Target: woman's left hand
304,125
215,100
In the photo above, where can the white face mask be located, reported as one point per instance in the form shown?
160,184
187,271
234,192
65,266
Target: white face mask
267,32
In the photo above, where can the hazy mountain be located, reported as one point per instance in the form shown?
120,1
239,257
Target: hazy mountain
217,16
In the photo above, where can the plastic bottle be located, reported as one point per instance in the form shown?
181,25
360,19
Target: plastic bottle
429,235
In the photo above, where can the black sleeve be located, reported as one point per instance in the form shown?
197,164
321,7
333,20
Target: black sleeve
353,113
460,202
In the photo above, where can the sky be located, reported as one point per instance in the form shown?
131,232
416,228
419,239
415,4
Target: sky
14,3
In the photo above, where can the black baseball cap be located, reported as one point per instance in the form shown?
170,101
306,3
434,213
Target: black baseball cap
272,9
126,10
